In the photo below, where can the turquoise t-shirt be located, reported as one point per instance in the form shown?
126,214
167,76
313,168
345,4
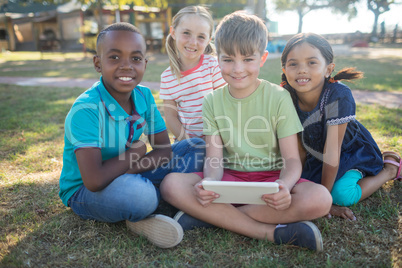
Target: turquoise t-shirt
250,127
97,120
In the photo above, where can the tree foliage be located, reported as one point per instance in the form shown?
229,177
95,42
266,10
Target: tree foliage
43,2
302,7
218,8
120,3
379,7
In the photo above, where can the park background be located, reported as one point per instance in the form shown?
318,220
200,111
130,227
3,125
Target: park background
36,230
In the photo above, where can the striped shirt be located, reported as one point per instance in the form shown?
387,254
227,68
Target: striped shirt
189,94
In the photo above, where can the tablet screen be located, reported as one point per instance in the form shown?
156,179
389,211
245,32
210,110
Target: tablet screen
237,192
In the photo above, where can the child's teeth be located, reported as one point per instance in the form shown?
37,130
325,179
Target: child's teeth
303,80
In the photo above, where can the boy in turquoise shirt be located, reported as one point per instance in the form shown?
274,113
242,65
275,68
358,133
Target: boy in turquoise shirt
251,131
107,173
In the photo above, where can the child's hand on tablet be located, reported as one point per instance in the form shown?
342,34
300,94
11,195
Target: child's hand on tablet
203,196
280,200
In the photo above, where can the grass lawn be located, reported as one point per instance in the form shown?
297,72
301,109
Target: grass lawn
36,230
381,73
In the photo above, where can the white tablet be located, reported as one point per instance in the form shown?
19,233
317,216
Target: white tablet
238,192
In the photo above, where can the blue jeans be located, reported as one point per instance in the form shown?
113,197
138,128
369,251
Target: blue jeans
135,196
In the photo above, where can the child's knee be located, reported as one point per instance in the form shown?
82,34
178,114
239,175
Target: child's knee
168,188
196,142
346,191
166,184
136,191
346,196
325,196
140,206
323,200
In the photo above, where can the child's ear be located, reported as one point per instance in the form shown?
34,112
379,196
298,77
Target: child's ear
97,64
172,33
264,58
330,69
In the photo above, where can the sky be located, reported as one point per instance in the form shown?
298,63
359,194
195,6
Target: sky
326,21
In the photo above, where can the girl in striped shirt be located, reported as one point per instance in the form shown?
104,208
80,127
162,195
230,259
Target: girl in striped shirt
193,71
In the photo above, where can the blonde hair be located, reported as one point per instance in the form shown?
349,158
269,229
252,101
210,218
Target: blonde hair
241,32
174,59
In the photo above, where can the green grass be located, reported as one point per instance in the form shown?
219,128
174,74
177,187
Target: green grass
74,65
381,74
37,230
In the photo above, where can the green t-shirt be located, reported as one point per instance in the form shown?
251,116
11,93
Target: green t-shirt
250,127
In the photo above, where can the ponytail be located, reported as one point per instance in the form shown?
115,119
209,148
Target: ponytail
174,60
348,73
210,50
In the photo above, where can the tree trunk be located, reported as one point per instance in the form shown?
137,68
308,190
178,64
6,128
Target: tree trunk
300,13
376,15
260,10
100,8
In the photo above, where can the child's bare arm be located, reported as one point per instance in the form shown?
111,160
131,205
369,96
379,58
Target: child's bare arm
213,168
161,154
302,150
290,174
97,174
332,153
292,168
172,120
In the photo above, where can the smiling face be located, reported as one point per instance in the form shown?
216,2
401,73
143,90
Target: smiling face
192,35
306,69
241,72
121,61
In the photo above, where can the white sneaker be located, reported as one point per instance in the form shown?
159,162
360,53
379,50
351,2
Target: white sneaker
160,230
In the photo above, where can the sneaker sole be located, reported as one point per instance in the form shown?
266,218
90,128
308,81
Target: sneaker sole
160,230
317,235
178,215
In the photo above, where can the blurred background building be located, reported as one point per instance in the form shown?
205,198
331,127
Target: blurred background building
62,25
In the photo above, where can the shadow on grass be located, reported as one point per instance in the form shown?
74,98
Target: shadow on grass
38,231
32,115
82,68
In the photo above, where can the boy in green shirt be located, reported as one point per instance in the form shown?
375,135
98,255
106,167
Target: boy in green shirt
251,131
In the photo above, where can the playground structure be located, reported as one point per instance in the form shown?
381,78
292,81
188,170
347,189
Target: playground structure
152,22
69,27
